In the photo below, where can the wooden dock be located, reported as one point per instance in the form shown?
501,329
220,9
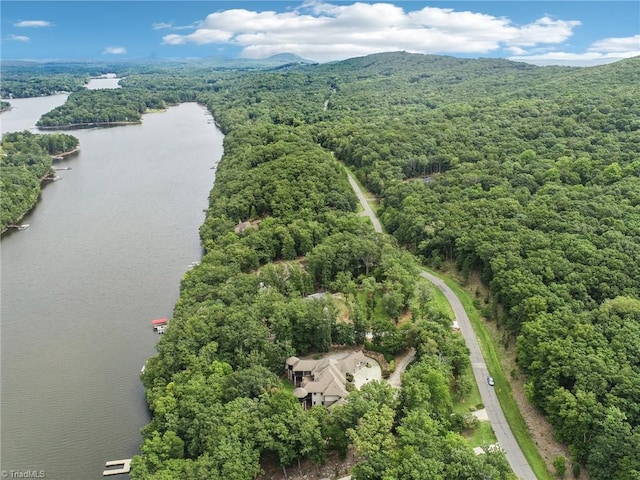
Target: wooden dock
125,467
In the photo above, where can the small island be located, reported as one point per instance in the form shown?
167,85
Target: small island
4,106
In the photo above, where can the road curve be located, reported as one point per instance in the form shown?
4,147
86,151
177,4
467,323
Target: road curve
503,432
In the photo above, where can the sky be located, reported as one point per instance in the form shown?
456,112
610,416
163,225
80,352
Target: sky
578,33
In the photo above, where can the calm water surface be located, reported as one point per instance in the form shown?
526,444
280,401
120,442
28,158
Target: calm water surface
104,255
25,112
102,83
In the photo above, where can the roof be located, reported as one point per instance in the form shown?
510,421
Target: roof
328,375
328,381
242,226
316,296
292,360
159,321
305,365
353,361
300,392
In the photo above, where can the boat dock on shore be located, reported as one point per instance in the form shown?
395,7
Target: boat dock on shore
160,324
24,226
125,467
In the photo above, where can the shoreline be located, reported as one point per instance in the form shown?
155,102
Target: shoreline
59,157
77,126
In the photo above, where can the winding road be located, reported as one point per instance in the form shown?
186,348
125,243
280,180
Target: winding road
503,432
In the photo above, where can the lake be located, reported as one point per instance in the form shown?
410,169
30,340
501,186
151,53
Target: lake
104,254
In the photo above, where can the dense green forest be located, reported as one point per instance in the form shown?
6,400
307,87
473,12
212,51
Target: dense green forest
25,159
219,408
526,175
21,79
529,176
27,79
90,107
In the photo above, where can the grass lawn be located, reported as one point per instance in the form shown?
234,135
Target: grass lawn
480,436
439,301
472,401
286,385
378,311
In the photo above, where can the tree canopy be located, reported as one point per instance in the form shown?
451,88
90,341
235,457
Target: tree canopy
527,175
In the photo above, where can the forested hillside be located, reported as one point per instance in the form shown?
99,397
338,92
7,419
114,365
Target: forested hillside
527,175
530,176
25,159
219,408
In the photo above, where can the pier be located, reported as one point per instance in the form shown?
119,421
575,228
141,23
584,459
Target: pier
24,226
125,467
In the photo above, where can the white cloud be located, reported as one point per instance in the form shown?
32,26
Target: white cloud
624,44
33,23
324,31
114,50
19,38
516,50
161,26
603,51
171,26
544,30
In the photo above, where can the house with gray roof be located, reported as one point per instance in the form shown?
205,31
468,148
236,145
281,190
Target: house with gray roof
323,382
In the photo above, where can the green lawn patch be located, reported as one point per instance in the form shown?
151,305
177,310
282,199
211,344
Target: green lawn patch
472,401
286,385
480,436
440,302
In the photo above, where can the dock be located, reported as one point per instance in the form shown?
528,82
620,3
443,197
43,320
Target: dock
24,226
52,177
159,324
125,467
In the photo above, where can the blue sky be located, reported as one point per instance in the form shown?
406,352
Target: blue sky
542,32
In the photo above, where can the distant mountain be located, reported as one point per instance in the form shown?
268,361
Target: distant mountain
216,62
287,58
274,61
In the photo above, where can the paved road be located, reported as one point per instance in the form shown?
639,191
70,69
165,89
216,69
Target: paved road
496,416
394,378
363,201
503,432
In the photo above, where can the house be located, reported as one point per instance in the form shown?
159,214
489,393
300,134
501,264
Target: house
242,226
323,382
